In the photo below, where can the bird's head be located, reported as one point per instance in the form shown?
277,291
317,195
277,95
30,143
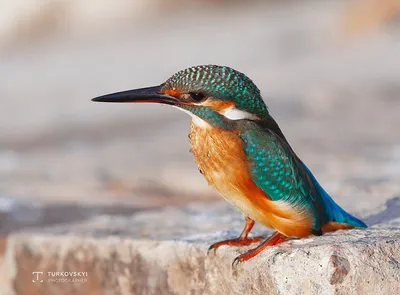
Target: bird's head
211,94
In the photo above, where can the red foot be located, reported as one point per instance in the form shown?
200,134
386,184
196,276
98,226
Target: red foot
242,240
275,239
235,242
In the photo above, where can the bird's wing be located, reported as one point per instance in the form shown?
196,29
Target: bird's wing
276,169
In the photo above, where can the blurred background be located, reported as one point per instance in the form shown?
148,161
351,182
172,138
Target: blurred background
328,70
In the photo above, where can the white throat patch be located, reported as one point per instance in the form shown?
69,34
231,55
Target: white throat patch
233,113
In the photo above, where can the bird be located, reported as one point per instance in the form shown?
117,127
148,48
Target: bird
242,153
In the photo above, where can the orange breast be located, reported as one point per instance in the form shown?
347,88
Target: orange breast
220,156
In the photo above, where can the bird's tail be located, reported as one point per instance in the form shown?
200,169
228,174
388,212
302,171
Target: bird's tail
332,211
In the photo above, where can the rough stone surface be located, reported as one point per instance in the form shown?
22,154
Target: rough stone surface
164,252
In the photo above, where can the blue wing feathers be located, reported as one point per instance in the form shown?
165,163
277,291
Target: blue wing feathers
283,177
276,170
332,211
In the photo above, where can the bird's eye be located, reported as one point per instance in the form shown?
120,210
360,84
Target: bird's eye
197,96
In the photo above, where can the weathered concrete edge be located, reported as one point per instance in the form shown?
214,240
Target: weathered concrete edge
347,262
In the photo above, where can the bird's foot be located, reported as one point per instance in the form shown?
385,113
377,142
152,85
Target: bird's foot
275,239
234,242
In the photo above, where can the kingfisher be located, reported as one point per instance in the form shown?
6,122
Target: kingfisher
243,154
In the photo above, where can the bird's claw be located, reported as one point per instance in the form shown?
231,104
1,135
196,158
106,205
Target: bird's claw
236,262
213,249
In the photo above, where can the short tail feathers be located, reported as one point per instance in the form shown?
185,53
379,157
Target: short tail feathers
332,211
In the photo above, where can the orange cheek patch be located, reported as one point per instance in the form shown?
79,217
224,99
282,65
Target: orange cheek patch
218,105
173,92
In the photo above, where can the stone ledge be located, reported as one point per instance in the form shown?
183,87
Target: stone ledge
153,253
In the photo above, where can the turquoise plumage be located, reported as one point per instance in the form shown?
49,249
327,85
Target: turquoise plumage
283,177
277,171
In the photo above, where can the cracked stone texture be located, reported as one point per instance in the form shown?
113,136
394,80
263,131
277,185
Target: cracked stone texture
163,251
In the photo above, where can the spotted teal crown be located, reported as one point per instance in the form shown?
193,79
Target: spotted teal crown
221,83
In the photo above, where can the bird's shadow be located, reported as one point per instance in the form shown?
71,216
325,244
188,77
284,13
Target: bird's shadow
391,212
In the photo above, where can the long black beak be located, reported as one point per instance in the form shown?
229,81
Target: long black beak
148,94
